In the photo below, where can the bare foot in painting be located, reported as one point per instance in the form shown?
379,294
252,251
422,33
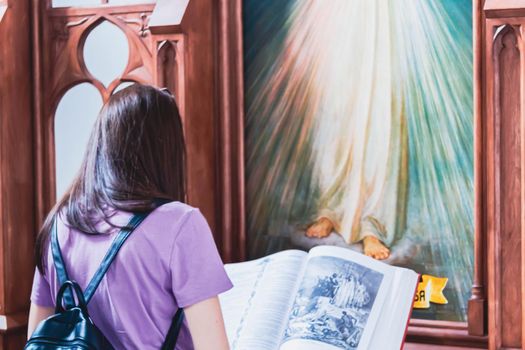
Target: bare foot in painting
320,229
374,248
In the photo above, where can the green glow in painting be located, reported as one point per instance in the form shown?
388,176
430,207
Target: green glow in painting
359,124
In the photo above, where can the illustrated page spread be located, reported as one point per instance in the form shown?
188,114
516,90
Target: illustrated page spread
330,298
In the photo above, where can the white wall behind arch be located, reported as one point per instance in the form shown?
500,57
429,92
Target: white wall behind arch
74,119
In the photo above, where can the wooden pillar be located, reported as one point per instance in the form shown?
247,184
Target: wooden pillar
207,37
505,120
200,109
231,130
188,25
16,173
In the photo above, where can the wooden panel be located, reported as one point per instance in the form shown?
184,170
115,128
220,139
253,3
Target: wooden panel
443,333
477,305
507,67
504,76
418,346
200,109
231,130
12,341
16,170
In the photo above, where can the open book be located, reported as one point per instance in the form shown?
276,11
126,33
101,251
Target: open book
329,298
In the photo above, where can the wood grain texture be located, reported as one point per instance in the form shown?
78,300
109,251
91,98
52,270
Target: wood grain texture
231,130
477,306
509,168
504,78
16,171
443,333
200,109
12,340
422,346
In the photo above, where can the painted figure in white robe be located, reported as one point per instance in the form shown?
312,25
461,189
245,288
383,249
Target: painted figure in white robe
359,140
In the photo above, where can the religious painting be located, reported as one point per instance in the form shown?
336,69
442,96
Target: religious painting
359,133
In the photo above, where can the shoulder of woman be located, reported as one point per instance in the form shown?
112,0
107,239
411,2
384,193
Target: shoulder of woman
178,215
175,206
175,211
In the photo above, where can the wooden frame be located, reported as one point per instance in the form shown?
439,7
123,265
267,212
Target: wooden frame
502,179
231,130
185,36
16,170
231,170
64,31
504,112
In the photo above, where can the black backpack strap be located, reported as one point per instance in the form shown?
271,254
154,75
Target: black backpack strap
112,253
176,323
60,267
173,332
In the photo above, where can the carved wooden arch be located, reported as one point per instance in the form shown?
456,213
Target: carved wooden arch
167,63
169,68
138,67
60,66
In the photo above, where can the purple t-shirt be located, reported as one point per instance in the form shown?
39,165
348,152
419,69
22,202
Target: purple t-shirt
169,261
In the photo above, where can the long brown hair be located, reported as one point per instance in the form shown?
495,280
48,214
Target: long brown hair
135,156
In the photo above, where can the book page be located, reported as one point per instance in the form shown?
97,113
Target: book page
338,302
390,330
256,309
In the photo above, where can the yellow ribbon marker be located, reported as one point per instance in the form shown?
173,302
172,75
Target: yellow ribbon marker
436,290
430,289
421,299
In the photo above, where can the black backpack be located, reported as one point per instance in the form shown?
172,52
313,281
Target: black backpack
71,327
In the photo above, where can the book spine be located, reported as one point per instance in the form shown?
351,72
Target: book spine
410,314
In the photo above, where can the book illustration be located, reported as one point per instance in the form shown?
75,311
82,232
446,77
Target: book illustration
334,302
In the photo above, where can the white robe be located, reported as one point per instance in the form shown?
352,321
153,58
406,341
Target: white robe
359,136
